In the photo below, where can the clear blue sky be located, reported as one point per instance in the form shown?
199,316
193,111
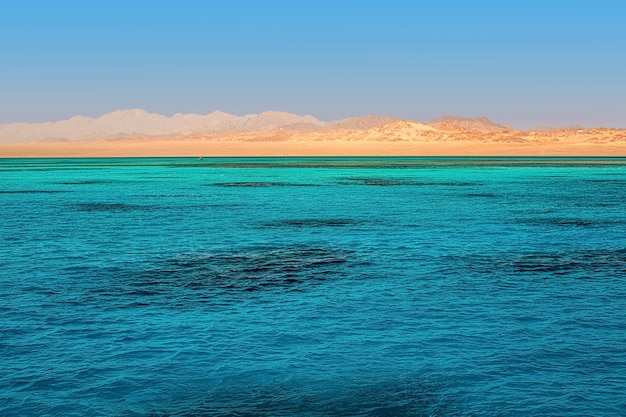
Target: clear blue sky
527,63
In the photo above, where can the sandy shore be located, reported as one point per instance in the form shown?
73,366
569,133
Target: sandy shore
171,147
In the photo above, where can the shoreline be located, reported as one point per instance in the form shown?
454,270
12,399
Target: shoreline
208,148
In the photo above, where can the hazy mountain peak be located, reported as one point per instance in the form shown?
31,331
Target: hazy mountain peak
79,118
219,113
368,121
128,122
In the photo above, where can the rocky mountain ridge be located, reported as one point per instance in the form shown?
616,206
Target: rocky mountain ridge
277,125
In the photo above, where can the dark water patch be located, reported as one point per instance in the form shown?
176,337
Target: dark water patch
304,163
534,212
606,204
317,165
253,184
338,164
559,221
86,182
175,195
377,181
482,195
570,222
576,263
383,398
455,183
606,181
110,207
32,191
243,270
593,264
312,223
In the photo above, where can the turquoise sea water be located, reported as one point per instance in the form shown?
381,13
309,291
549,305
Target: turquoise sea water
313,287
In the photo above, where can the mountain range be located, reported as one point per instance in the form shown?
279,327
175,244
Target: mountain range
138,122
271,126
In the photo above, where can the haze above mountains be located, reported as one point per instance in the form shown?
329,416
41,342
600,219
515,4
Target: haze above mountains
122,124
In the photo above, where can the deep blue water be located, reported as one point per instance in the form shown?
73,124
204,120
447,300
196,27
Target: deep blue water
313,287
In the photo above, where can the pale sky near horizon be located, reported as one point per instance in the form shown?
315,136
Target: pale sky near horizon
527,63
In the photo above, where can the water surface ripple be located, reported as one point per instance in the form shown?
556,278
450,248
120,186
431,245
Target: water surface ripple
313,287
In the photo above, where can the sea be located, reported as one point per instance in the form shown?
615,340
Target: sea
288,286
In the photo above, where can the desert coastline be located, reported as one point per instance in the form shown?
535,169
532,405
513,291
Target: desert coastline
207,148
137,133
